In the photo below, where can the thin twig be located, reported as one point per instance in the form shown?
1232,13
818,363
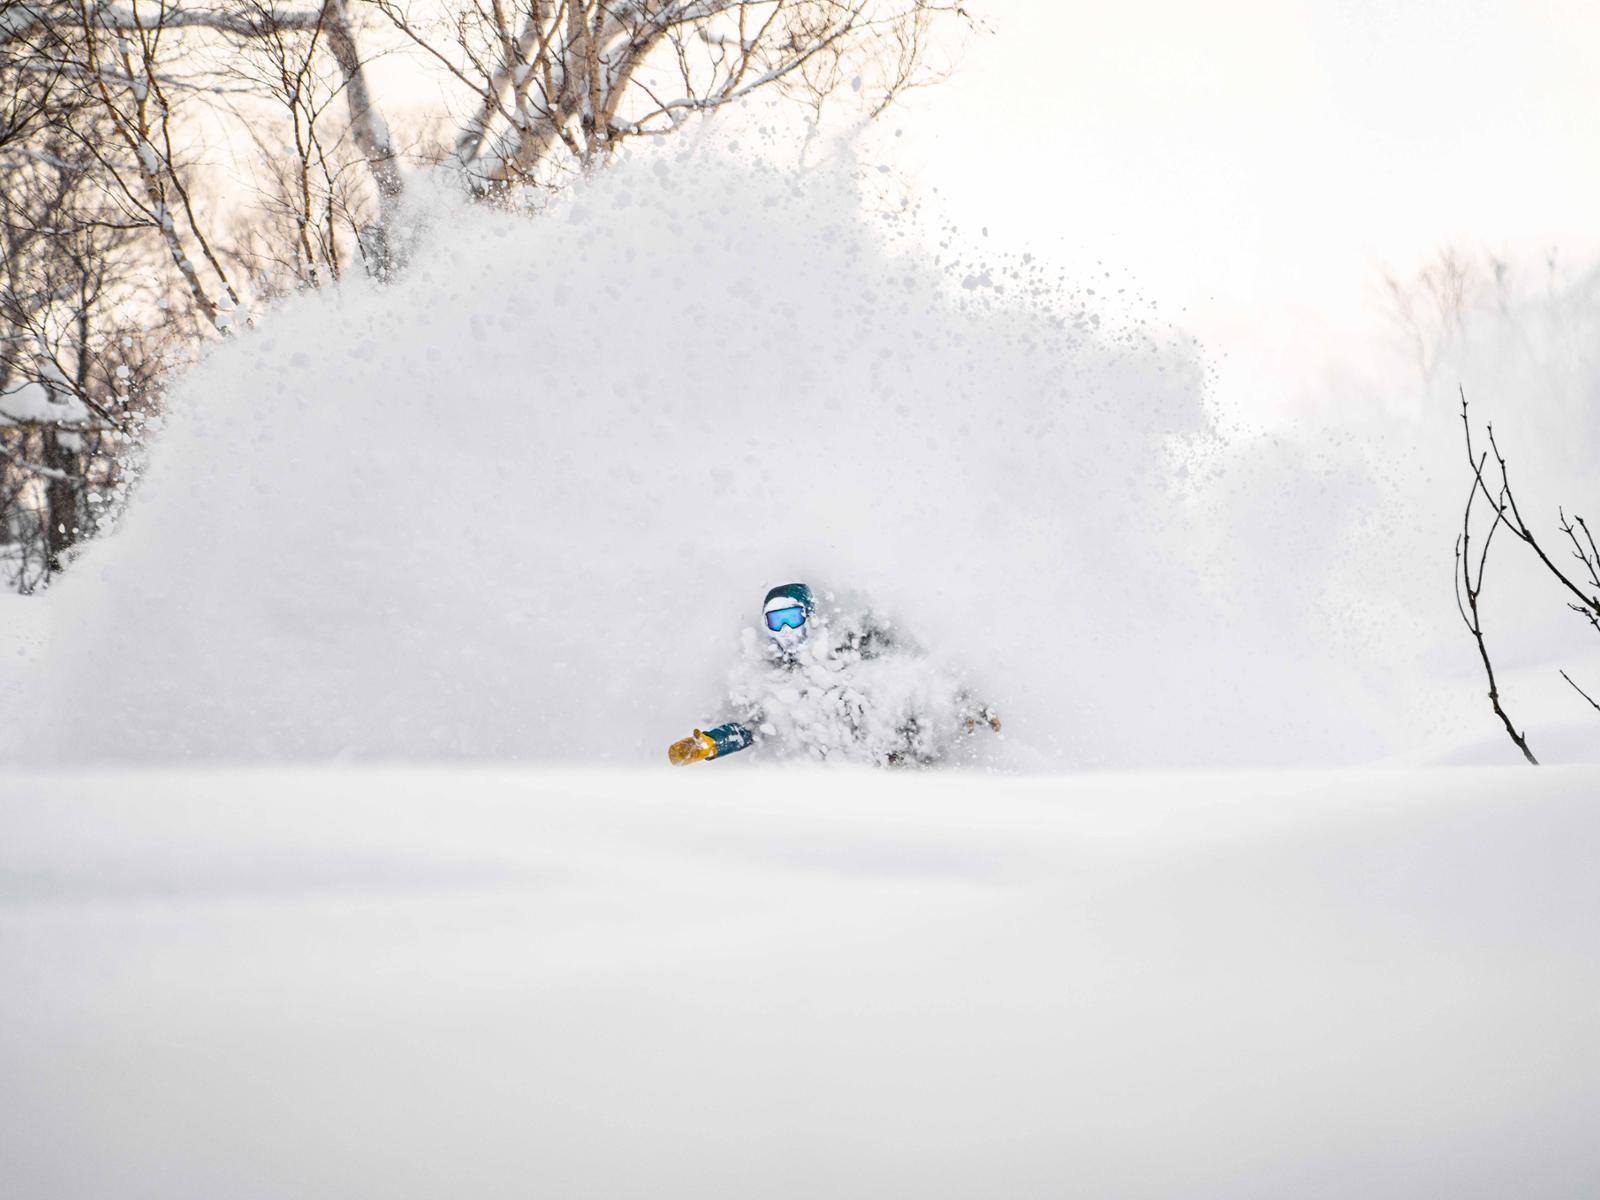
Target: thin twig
1581,692
1468,590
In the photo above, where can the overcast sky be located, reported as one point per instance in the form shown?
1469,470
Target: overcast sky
1255,162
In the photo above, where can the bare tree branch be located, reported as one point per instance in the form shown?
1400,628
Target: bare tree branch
1592,703
1469,586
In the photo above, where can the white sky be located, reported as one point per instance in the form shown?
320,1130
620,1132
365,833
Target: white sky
1255,162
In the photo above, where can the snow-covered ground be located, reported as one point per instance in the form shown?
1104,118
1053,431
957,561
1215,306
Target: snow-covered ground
736,982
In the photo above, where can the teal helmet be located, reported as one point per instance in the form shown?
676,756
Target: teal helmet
787,611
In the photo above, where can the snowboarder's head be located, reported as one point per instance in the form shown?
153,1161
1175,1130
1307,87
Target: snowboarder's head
787,611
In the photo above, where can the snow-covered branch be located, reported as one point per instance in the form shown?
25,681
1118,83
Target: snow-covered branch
23,19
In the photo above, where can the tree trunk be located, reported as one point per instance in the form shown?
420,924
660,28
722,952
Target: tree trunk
369,131
61,527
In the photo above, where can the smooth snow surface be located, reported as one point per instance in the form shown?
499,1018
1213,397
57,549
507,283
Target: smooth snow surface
708,984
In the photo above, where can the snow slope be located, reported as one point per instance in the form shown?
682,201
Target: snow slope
722,983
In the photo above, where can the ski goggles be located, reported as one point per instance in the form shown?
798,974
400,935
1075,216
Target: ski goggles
786,618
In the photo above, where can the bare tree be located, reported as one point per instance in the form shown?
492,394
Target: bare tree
102,107
121,247
549,86
311,217
1581,588
1431,308
541,87
76,366
143,61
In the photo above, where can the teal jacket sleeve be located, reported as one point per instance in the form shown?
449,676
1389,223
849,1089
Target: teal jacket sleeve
730,738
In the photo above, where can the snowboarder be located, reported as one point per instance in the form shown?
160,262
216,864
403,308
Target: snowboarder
842,686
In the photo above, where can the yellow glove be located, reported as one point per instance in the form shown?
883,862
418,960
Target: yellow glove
692,749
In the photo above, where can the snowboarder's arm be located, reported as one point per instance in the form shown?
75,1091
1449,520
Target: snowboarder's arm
712,743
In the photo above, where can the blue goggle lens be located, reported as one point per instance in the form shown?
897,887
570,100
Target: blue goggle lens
786,618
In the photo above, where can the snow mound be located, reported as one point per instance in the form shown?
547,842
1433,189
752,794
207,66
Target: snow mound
657,985
520,503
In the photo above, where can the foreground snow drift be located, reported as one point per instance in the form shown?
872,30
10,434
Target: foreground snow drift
779,983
